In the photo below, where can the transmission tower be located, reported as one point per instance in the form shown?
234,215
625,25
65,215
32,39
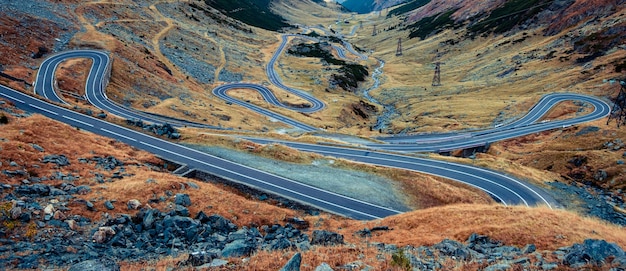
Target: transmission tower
437,77
399,50
619,108
374,32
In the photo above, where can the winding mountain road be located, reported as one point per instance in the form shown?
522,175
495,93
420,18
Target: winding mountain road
504,188
305,194
94,88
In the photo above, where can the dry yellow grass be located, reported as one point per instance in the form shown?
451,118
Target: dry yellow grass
71,76
546,228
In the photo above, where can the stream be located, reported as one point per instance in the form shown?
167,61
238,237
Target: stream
388,110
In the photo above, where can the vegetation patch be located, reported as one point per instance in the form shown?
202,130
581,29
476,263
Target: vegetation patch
598,43
253,12
619,67
408,7
512,13
349,75
432,25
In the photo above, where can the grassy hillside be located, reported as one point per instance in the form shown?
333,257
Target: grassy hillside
510,15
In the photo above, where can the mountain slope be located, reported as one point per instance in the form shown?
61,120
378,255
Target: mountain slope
366,6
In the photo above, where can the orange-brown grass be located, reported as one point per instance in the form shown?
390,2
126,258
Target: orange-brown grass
333,256
209,198
547,229
58,138
534,152
564,110
72,75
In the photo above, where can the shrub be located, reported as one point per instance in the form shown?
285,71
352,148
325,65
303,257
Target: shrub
4,119
399,259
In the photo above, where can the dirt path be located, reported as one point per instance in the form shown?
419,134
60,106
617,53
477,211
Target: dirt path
155,40
222,63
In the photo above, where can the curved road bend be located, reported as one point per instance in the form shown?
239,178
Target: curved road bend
94,88
524,126
272,75
502,187
324,200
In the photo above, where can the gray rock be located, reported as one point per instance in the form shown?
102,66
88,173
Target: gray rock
498,267
182,199
180,221
592,251
293,264
323,267
133,204
90,205
530,248
280,244
149,218
181,210
523,260
13,173
326,238
109,205
549,266
37,147
237,248
13,164
453,248
101,264
200,257
59,160
35,189
220,224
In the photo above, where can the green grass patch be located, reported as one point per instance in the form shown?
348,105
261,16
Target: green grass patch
252,12
349,74
408,7
432,25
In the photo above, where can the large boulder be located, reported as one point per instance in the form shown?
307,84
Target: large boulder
182,199
293,264
592,251
41,190
326,238
238,248
59,160
453,248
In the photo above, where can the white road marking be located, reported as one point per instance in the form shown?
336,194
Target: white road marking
81,122
43,109
117,134
11,97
